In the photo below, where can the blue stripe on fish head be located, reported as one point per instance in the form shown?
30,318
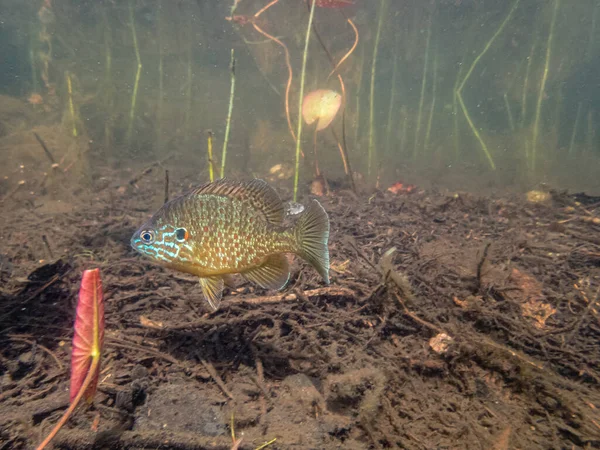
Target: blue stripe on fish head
162,242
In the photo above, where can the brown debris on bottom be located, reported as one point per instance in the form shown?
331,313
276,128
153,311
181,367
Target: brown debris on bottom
346,365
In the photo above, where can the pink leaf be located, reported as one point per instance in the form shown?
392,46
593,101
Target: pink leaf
89,334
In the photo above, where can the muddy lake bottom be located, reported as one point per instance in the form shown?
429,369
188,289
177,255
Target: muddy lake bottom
480,331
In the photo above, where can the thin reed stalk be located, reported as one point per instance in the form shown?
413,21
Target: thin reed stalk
317,169
108,87
423,86
211,161
526,83
371,151
301,96
592,41
404,117
345,158
574,133
287,63
34,79
160,100
138,74
71,104
389,126
229,111
538,109
456,133
433,100
190,82
466,78
591,131
511,120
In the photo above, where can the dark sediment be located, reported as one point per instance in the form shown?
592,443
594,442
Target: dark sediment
480,331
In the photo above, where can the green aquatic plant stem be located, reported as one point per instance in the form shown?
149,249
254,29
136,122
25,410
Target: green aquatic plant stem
359,84
108,88
574,133
511,120
433,98
526,83
160,104
538,108
211,163
71,104
371,154
591,42
34,80
343,145
456,133
423,86
190,82
466,78
389,126
229,111
138,73
591,131
301,97
404,117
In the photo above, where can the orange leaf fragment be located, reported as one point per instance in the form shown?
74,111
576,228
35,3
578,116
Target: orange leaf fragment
532,301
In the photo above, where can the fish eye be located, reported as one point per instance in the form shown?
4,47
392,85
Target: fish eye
181,234
147,236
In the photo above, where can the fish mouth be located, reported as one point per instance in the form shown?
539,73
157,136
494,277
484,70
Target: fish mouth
136,242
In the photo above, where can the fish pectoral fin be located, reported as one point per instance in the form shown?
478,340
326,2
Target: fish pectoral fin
212,288
274,273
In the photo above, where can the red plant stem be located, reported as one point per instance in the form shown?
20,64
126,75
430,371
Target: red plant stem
343,155
287,62
343,147
347,55
317,170
88,379
290,76
264,8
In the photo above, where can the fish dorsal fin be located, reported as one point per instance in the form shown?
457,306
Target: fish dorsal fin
257,192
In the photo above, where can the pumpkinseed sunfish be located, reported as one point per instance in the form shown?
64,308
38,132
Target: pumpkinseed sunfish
229,227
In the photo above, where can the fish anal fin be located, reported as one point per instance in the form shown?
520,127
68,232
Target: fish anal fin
212,288
274,273
257,193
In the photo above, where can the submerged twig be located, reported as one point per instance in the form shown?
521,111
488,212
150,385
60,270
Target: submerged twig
480,266
45,148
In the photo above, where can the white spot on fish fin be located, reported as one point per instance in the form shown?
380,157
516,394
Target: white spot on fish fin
212,288
274,273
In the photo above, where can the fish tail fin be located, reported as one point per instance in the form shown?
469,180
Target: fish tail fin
312,235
